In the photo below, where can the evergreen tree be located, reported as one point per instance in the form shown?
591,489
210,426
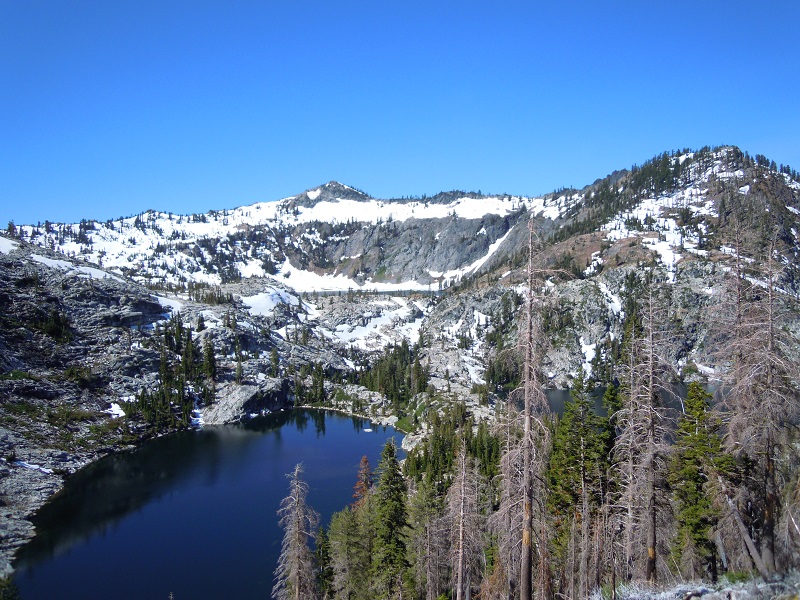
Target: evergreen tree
322,556
8,589
389,553
697,460
274,361
576,470
350,535
209,361
363,483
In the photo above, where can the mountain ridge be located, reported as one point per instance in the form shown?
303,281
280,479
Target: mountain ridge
336,231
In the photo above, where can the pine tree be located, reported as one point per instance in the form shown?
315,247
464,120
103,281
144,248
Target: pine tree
696,463
209,361
577,467
389,553
275,362
349,537
322,556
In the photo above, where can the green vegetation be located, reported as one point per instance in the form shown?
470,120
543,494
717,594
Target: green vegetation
697,464
184,379
16,375
8,589
56,325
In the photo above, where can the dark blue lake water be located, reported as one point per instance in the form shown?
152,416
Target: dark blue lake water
192,514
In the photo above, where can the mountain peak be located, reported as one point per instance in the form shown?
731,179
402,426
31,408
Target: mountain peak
333,190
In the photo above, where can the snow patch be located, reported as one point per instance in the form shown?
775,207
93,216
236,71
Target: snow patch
174,305
707,371
264,303
588,351
25,465
72,269
7,246
115,411
614,302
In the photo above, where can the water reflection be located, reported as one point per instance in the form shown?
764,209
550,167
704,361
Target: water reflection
201,501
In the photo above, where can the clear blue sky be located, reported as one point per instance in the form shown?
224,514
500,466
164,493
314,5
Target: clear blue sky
108,108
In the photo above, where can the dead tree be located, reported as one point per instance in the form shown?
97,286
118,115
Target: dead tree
429,540
506,522
294,576
466,527
641,449
535,438
760,396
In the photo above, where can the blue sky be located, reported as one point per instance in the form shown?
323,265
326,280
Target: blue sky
110,108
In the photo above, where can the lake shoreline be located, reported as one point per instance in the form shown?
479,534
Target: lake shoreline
40,473
145,505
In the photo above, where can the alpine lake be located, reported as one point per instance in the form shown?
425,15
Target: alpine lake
192,515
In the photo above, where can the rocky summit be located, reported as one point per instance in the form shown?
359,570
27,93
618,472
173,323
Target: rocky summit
112,332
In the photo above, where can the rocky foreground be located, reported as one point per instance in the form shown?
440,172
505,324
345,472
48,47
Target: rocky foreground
784,588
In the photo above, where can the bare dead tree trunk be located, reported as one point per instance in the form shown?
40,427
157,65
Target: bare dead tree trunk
535,443
466,526
641,447
761,399
526,557
652,441
751,547
507,521
294,575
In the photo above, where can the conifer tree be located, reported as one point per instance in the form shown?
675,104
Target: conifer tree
349,538
697,461
322,558
274,362
363,483
389,552
209,361
577,467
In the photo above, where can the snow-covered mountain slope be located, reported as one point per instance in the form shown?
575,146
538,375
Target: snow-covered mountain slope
675,211
680,205
331,237
335,237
